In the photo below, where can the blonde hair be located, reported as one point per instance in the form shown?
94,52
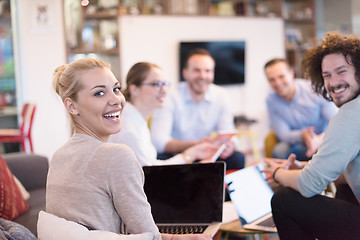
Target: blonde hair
67,78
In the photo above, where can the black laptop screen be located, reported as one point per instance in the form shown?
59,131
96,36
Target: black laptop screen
191,193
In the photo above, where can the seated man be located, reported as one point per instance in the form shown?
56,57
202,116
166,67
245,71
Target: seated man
195,109
298,116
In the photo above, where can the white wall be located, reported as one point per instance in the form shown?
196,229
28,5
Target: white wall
156,39
355,16
39,50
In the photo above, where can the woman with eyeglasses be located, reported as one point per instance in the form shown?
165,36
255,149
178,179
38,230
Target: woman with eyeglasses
146,91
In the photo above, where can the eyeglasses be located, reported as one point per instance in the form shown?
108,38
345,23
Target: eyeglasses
158,84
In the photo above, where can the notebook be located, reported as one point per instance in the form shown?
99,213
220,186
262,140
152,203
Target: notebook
189,196
251,196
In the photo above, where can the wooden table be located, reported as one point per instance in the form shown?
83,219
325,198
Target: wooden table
236,227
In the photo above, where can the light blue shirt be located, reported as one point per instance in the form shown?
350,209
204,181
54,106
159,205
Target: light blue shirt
135,133
306,109
183,119
338,153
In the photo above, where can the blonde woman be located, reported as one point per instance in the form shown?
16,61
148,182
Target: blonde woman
90,181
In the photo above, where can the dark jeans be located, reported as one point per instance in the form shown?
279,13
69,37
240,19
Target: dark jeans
283,150
235,161
321,217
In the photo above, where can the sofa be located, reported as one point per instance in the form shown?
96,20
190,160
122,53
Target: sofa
31,170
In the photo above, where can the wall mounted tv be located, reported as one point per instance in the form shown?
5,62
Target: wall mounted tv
229,58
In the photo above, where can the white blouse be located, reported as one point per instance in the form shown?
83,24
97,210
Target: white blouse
136,134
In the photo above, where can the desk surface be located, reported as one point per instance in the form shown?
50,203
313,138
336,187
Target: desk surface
236,227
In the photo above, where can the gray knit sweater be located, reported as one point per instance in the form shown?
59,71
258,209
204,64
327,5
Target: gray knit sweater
99,185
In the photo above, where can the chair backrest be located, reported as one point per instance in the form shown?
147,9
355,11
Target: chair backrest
27,114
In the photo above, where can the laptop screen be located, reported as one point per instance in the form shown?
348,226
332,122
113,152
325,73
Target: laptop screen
189,193
250,193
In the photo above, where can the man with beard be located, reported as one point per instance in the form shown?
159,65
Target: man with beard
194,110
299,211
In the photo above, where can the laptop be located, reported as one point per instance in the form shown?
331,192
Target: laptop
251,196
186,199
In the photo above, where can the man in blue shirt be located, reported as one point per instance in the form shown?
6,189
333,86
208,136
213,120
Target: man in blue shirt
194,110
297,115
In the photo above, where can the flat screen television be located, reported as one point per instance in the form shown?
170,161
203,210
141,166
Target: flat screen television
229,59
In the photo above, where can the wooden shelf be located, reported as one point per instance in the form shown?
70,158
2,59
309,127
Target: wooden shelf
112,51
100,15
295,20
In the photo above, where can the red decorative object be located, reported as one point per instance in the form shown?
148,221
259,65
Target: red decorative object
12,204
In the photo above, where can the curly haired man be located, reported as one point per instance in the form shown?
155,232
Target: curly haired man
299,211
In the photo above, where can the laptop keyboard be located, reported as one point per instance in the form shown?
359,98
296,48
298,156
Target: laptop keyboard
267,222
183,229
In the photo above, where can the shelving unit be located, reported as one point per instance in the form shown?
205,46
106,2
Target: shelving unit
92,30
300,28
299,22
